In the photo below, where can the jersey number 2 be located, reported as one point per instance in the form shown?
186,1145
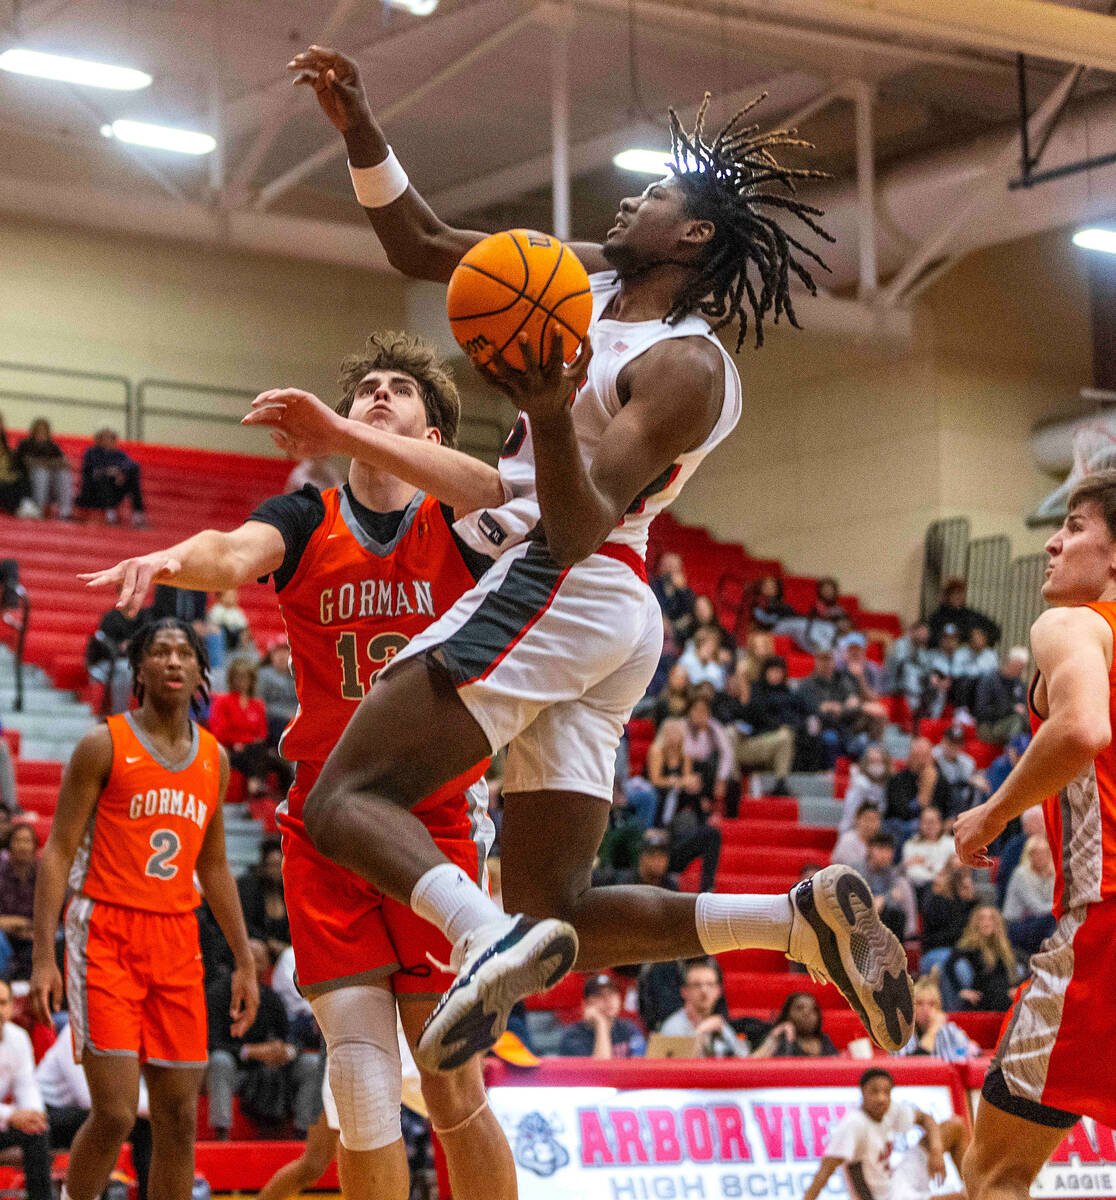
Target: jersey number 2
381,649
166,845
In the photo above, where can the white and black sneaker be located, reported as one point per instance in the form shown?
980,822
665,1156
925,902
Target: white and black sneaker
497,965
838,937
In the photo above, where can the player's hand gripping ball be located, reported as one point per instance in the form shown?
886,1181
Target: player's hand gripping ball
518,282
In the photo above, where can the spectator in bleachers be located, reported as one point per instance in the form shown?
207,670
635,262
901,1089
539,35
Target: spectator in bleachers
834,695
916,786
953,611
770,611
1000,767
709,750
652,865
947,657
934,701
318,472
797,1032
23,1118
967,786
275,686
304,1032
52,480
927,853
18,871
668,658
701,659
868,782
702,990
761,723
1031,824
705,617
263,1067
231,620
1030,897
684,799
759,646
65,1092
824,616
15,485
674,700
868,674
674,595
106,658
908,663
934,1034
892,894
946,911
982,968
110,475
1000,699
602,1032
852,846
974,659
262,899
238,720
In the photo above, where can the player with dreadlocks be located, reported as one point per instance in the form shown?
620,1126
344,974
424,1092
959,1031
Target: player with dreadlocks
551,650
139,814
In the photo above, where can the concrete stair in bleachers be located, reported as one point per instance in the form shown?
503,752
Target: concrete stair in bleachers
52,720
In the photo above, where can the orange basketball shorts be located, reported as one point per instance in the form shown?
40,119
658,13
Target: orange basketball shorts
135,983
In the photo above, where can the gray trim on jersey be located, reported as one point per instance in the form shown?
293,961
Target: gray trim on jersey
145,742
162,1062
313,991
380,549
79,915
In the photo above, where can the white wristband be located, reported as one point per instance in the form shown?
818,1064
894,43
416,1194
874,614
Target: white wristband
378,186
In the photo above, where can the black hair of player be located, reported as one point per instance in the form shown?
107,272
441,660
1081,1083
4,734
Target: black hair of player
721,181
875,1073
141,643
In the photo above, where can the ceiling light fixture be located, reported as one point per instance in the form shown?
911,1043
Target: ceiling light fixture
160,137
73,70
1096,238
417,8
646,162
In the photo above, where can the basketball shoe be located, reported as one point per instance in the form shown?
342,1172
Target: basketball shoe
839,938
496,965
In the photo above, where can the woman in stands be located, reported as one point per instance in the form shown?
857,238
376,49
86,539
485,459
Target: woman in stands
238,720
15,487
982,966
52,480
797,1032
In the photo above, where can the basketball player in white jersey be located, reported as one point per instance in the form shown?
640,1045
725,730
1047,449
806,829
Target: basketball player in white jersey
551,650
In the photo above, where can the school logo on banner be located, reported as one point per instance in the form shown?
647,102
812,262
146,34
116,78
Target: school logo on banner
536,1146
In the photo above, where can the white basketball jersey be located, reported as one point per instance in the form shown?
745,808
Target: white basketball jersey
615,344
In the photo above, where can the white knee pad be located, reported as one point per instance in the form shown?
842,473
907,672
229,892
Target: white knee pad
365,1075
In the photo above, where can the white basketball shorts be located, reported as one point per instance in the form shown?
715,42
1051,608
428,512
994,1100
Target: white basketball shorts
550,661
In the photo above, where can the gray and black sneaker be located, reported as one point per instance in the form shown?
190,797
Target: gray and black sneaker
497,965
839,938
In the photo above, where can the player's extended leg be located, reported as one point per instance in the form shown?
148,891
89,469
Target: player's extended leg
1006,1154
173,1094
359,1027
478,1157
114,1089
308,1168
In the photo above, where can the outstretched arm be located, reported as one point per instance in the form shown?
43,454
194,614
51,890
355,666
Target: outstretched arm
416,240
674,395
209,561
828,1165
935,1154
307,428
1073,653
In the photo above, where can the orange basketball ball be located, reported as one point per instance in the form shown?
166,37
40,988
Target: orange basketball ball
518,282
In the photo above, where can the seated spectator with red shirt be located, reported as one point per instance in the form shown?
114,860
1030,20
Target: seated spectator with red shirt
238,720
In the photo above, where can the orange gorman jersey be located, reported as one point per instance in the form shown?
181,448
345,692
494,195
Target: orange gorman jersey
353,604
1081,818
146,831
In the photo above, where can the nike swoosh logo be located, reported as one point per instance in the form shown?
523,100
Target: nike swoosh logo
134,760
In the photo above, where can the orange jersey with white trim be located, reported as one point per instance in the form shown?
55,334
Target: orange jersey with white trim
1081,818
353,604
147,828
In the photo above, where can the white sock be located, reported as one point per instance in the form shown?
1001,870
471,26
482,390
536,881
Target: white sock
727,922
445,896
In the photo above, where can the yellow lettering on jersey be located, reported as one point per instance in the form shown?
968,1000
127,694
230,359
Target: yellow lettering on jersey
346,601
326,609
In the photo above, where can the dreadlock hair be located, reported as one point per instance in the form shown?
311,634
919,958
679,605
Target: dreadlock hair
141,643
728,180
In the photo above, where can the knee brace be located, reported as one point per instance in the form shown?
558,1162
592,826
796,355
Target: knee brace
365,1074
